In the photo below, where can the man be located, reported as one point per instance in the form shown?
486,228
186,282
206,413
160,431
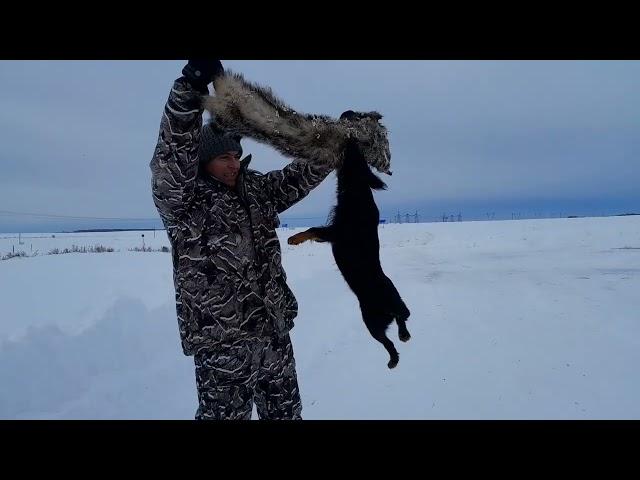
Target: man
234,307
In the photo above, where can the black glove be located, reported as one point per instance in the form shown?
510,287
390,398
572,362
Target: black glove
200,73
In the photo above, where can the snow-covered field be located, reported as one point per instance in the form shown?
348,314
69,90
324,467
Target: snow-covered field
530,319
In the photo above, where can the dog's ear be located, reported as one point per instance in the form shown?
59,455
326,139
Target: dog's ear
349,115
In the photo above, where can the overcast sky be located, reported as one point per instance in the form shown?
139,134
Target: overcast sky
76,137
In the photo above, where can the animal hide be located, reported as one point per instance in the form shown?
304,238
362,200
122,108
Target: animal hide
250,110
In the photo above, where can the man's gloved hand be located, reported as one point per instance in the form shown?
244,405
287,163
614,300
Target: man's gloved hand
200,73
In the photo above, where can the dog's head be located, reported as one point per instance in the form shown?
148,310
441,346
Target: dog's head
371,135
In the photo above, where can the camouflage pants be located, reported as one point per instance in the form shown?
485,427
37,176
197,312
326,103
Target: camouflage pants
232,377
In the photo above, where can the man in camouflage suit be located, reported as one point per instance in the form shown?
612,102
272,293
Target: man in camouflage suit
233,304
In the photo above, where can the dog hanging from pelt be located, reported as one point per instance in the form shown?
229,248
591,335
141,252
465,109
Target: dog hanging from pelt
350,144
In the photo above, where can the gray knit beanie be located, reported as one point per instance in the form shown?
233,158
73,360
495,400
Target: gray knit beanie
214,141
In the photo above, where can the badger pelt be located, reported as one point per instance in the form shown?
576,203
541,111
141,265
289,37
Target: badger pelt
253,111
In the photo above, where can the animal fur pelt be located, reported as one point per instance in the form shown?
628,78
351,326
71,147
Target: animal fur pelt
253,111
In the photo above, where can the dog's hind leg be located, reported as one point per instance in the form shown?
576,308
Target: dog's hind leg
401,320
394,357
318,234
381,336
399,311
403,333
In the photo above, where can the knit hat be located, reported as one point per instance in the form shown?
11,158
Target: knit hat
215,141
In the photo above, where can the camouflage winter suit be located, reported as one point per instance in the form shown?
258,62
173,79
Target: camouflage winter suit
233,304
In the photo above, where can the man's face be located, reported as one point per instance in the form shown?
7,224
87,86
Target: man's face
225,168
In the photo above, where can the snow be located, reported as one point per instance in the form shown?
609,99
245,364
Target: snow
529,319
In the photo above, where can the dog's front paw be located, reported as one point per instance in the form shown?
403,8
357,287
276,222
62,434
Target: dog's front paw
296,239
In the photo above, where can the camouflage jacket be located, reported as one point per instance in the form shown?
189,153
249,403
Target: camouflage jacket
227,271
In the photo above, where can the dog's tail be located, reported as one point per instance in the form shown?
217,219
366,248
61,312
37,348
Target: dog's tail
374,182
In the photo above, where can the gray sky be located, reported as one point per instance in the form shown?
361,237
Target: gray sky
77,137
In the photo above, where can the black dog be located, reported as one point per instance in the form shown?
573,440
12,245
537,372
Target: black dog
353,234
